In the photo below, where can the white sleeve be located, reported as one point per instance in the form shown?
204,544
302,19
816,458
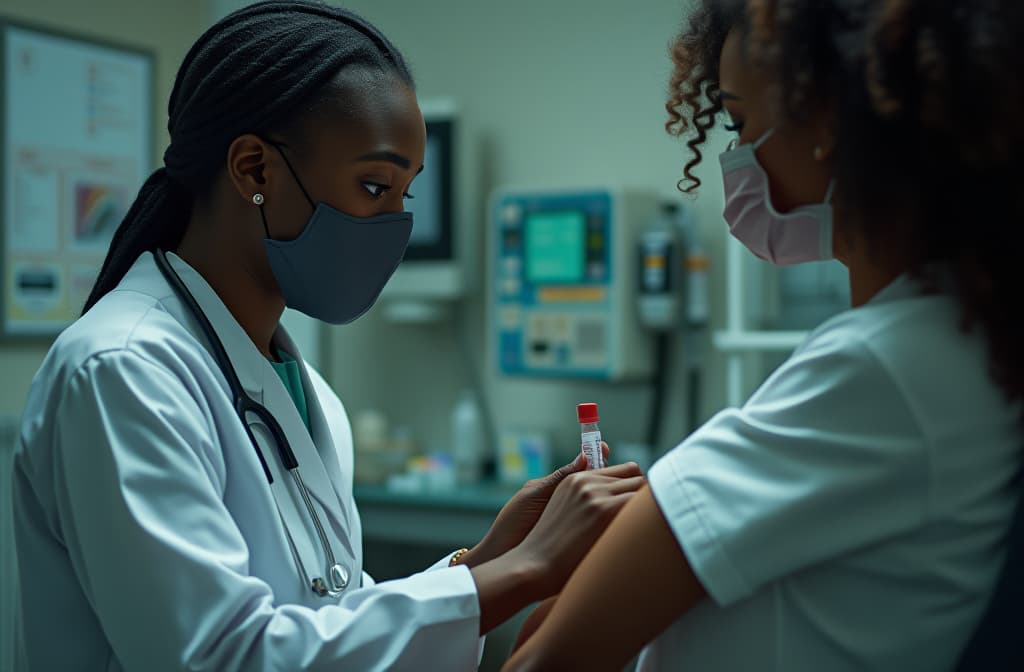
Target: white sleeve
139,486
827,457
442,564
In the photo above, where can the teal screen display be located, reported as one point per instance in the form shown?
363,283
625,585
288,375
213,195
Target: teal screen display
555,247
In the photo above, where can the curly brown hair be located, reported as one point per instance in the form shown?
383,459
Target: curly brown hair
926,99
693,105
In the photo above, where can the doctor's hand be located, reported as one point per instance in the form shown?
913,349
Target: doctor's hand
521,513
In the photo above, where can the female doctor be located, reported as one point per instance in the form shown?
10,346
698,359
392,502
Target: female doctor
183,484
853,513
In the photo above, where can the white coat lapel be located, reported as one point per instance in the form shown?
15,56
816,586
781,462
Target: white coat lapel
314,474
261,382
252,369
317,446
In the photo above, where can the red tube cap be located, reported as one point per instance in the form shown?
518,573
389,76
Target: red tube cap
587,413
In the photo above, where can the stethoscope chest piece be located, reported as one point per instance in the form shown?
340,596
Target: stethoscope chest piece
339,577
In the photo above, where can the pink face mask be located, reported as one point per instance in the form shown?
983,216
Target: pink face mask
797,237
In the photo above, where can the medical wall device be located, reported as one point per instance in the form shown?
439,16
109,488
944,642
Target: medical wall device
563,282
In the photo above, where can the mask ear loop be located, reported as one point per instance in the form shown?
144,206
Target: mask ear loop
764,138
735,142
831,183
828,192
258,198
291,170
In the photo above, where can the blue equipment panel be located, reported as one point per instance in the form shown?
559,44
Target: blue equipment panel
553,283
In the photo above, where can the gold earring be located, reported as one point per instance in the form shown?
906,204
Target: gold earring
257,199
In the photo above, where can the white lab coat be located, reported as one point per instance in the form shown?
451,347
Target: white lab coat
148,537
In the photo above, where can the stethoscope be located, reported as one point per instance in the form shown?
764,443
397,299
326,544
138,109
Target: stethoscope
337,575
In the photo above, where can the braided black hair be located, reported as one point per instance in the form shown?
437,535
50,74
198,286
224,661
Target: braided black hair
926,98
253,72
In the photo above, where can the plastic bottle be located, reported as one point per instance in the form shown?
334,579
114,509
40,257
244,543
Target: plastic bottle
467,438
590,434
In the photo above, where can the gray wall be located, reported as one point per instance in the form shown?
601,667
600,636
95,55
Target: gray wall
168,29
550,93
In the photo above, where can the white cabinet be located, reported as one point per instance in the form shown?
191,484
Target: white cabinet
769,311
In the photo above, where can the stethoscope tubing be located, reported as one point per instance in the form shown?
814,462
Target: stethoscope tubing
245,404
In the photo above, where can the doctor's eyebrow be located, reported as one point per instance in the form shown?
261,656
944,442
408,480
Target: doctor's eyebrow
390,157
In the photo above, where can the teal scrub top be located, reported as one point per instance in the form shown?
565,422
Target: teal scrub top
288,370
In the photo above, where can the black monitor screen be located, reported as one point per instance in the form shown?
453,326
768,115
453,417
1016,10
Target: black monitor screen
432,205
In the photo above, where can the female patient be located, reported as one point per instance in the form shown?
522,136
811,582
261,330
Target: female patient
852,515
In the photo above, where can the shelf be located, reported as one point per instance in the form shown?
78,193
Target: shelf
757,341
443,519
488,497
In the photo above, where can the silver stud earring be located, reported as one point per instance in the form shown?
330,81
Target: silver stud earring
257,199
819,153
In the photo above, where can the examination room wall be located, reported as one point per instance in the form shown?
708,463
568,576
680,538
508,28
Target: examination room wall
165,28
549,94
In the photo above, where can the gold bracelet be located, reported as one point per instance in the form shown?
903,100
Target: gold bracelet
458,554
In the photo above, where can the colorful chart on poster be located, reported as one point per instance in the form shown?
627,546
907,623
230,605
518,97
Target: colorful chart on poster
76,144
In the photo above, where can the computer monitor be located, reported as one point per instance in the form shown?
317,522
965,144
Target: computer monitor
430,268
432,203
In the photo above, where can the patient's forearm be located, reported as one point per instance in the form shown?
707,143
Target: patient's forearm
534,621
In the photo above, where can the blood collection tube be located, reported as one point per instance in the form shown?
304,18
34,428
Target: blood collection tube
591,435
